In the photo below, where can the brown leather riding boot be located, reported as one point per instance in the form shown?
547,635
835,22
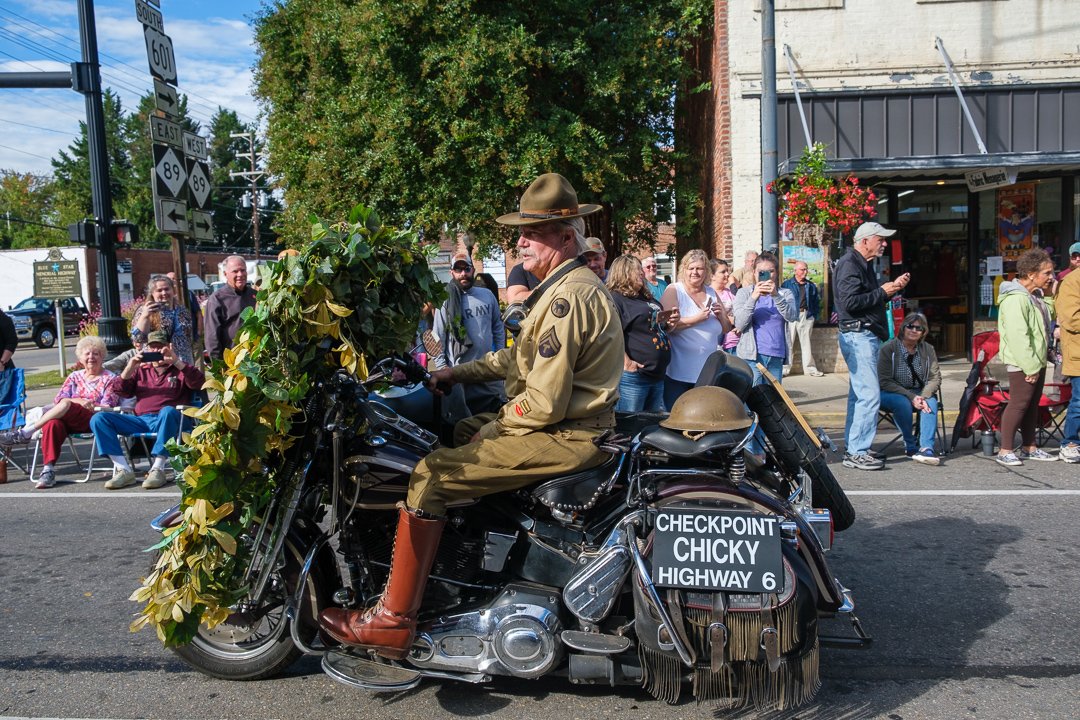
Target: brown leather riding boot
390,626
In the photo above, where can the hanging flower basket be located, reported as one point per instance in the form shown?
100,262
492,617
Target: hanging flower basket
812,202
809,235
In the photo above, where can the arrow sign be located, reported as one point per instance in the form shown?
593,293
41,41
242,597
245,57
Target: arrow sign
202,227
159,51
199,183
170,176
171,217
166,99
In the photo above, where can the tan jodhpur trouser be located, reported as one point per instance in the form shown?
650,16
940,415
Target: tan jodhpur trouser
504,463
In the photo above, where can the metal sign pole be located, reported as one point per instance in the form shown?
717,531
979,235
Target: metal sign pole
60,333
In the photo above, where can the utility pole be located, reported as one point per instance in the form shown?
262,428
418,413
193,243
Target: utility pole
254,174
770,230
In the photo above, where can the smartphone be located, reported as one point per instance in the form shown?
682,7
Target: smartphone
665,315
764,276
152,356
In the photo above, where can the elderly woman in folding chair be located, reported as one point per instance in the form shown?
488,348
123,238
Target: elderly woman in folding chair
82,392
159,380
910,378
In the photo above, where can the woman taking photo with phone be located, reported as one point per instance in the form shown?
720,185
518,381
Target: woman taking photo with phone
644,324
161,311
762,311
701,325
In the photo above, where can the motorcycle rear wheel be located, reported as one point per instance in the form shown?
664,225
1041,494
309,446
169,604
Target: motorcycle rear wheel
258,644
796,451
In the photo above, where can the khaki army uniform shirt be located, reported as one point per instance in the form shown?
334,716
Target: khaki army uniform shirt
564,367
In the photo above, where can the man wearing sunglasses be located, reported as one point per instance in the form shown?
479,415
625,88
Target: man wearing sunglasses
655,285
860,306
469,326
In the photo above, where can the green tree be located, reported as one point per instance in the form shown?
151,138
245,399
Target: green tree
71,170
439,113
26,212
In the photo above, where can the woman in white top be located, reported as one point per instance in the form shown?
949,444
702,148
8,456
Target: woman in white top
701,326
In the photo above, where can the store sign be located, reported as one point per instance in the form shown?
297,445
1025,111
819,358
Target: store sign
989,178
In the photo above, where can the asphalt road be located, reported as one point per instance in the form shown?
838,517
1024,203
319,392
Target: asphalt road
33,359
967,576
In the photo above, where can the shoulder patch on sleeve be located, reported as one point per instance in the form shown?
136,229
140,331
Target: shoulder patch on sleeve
560,307
549,346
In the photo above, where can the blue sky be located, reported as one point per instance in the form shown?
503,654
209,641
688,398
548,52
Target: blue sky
214,55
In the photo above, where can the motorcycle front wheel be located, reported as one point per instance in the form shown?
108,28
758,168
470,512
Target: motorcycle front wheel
256,643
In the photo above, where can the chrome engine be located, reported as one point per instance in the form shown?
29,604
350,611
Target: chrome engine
517,634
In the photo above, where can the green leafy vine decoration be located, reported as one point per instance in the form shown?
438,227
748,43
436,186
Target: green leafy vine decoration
357,284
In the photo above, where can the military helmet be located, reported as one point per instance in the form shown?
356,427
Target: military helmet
707,409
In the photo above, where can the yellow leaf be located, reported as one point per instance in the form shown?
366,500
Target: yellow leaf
231,416
227,541
212,383
177,613
339,310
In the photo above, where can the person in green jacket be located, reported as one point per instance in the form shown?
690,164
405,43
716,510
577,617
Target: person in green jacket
1024,319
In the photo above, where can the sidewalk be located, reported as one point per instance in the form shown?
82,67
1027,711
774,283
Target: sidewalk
823,400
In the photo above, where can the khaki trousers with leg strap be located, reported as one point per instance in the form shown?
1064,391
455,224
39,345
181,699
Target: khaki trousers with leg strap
498,465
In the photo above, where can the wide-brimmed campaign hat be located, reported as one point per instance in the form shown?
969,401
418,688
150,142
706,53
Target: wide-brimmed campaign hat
549,197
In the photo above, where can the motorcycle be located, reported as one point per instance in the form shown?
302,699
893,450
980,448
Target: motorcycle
675,563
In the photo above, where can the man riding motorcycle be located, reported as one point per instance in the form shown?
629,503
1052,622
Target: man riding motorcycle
562,376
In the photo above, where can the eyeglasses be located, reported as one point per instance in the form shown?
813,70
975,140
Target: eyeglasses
916,328
462,267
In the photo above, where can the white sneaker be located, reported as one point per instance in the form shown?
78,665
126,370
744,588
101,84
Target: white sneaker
154,479
1070,453
120,479
46,480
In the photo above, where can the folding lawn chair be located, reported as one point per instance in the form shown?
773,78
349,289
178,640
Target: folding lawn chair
939,433
983,401
12,409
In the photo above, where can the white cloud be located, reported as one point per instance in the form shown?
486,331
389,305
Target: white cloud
213,58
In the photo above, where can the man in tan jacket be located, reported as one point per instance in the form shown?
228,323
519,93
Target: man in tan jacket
562,378
1067,307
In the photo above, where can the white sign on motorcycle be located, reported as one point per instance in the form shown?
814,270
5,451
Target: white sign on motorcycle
717,550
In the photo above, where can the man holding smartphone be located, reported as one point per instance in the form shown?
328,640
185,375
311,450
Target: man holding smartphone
860,306
159,380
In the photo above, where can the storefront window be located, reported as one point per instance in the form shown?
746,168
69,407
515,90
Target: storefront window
1012,220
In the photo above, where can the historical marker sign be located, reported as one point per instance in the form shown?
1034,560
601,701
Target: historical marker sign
199,183
170,176
194,145
166,131
57,279
159,51
149,17
171,217
202,227
166,99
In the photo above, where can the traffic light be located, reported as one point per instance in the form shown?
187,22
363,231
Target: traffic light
82,233
125,233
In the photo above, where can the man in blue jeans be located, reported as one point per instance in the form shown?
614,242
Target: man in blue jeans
158,382
1067,308
860,306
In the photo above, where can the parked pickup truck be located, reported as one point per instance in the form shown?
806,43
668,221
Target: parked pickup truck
35,318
